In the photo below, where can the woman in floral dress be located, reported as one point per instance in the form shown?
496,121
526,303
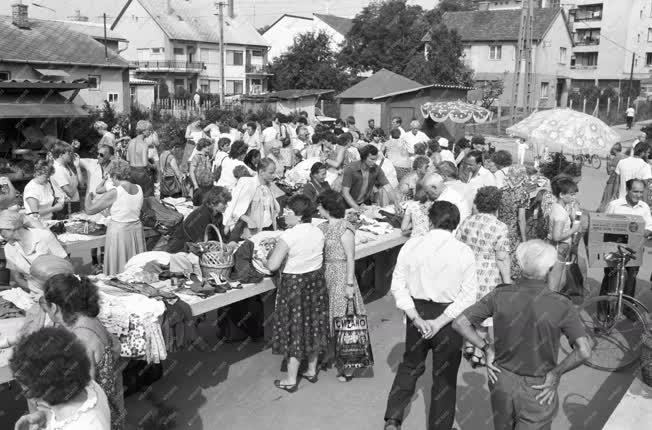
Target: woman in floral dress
489,239
513,203
339,262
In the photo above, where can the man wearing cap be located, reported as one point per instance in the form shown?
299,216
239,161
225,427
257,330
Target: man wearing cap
446,154
415,135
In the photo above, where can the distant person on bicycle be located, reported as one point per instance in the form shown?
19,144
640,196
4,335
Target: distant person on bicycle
631,204
529,320
629,116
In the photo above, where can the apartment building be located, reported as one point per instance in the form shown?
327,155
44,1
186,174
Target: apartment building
606,35
178,42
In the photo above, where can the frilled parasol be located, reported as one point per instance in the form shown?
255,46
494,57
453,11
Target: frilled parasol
566,130
457,111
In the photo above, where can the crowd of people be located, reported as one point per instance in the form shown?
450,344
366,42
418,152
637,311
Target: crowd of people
473,226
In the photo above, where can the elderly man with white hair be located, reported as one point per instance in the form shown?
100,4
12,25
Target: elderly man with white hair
528,320
445,153
108,138
415,135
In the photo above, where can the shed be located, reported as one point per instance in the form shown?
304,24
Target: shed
142,92
386,94
286,101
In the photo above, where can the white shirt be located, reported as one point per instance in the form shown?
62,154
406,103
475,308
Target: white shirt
305,248
630,111
226,178
44,194
501,176
126,207
484,178
435,267
632,168
621,207
63,176
412,139
459,194
94,172
253,140
93,414
447,155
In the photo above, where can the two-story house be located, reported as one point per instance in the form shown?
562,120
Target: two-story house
34,49
178,42
490,40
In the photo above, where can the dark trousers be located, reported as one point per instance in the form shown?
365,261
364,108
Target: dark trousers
610,282
446,346
629,120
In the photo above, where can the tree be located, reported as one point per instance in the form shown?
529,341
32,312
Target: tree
491,91
309,63
443,64
384,35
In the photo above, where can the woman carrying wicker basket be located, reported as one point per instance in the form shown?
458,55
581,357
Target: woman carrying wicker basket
124,234
301,325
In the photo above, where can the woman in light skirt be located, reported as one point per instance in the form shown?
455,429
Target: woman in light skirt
124,234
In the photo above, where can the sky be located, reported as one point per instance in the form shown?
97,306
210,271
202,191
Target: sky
259,12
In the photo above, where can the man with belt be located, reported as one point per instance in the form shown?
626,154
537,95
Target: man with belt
434,281
528,321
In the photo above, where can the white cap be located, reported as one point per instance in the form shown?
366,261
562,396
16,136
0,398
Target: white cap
443,142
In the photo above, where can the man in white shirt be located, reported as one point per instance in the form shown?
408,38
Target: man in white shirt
478,176
252,136
97,169
415,135
631,204
633,168
396,123
629,116
434,280
455,191
446,154
302,139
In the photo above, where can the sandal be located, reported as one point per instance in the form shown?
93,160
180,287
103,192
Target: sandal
312,379
344,378
286,387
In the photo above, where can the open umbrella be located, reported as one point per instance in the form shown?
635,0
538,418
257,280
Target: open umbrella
457,111
566,130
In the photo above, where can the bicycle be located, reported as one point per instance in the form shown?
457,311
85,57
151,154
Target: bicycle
614,320
588,159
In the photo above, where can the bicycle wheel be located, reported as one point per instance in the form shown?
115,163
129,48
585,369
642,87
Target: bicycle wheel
617,338
595,161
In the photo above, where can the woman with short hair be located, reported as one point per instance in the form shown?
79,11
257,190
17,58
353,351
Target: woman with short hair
66,176
201,170
339,263
124,234
317,183
73,303
170,176
40,198
236,156
488,238
562,228
53,369
612,187
301,326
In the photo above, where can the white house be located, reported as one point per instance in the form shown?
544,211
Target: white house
178,42
490,40
280,35
34,49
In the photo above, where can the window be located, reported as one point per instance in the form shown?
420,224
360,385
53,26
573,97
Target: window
256,53
649,34
495,52
158,50
209,56
562,55
214,86
648,59
179,51
112,97
544,90
132,94
94,82
585,59
234,58
179,83
5,76
234,87
203,86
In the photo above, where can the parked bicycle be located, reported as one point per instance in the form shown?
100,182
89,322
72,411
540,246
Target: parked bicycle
588,159
615,320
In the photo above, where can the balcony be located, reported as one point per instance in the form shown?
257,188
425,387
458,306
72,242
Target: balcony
579,15
168,66
587,40
583,67
256,69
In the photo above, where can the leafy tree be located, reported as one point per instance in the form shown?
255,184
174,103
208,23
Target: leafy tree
491,91
308,63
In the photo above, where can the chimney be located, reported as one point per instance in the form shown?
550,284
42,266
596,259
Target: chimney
231,11
483,5
19,15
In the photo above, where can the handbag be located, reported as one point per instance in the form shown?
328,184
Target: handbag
170,185
160,216
352,341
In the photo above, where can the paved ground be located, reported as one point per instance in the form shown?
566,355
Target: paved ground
230,386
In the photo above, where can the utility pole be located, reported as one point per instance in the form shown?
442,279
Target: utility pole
106,50
631,77
220,7
523,52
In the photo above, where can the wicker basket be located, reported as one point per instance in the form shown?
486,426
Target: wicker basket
646,358
215,256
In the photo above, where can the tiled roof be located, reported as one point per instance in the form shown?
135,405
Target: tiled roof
423,87
94,30
378,84
136,81
337,23
497,25
52,42
197,21
292,94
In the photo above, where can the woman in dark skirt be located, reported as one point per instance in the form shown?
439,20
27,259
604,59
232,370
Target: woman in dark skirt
301,325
